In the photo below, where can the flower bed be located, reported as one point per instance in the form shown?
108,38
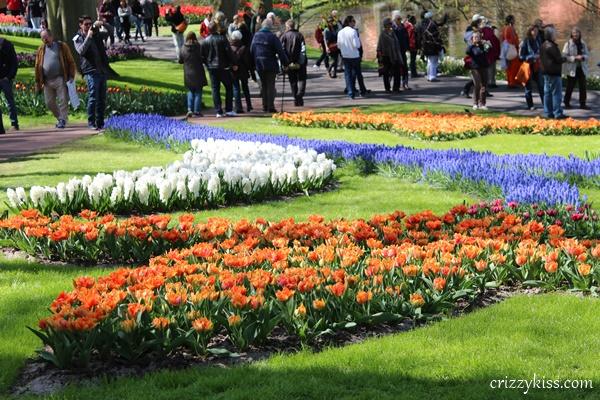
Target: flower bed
447,126
12,20
23,31
119,100
105,239
193,14
522,178
26,60
213,173
246,279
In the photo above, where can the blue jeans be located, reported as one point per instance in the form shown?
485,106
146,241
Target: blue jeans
6,87
553,96
351,71
539,81
194,101
96,106
218,76
241,85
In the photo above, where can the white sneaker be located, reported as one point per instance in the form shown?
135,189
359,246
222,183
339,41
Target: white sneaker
484,108
231,114
531,108
475,107
220,115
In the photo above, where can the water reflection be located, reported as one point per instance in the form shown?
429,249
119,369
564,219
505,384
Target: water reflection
564,14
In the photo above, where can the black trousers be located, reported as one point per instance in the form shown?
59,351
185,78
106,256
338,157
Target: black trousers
579,78
413,63
267,79
297,85
391,71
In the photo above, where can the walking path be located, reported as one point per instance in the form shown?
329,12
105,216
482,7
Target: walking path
322,92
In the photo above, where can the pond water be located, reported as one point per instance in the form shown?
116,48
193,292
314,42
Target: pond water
564,14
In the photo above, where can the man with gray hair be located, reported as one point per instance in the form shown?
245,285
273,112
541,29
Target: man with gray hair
265,49
552,60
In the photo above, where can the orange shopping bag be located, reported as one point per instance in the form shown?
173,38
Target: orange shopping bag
523,74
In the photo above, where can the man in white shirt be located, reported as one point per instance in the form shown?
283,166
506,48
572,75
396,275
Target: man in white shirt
349,45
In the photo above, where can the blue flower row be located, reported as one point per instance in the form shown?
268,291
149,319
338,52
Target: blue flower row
527,178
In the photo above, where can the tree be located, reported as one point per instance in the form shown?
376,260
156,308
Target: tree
63,17
229,7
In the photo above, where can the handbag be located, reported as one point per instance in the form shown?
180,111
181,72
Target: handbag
333,48
182,27
524,73
511,52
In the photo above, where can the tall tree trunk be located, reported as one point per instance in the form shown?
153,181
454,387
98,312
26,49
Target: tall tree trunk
229,7
63,17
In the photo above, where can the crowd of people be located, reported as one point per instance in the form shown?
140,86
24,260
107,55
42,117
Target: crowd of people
535,60
258,46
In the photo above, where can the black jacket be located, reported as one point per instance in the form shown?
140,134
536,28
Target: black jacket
293,44
216,52
478,56
402,35
552,59
92,53
8,60
194,77
174,20
242,59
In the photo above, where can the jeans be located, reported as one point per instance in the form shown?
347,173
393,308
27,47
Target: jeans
218,77
178,42
239,85
571,80
480,80
553,96
432,66
324,58
6,87
351,70
36,22
267,79
194,101
148,26
138,27
536,77
96,84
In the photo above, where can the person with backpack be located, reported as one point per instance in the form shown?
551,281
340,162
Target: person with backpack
333,51
216,54
295,49
552,61
8,70
194,77
431,44
54,67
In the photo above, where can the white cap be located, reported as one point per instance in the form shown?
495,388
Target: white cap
476,17
428,14
396,14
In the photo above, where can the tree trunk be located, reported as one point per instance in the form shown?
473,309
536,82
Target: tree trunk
229,7
63,17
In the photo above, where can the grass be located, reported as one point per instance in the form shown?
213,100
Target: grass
25,44
453,359
354,197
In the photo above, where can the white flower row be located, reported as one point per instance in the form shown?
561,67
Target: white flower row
213,172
